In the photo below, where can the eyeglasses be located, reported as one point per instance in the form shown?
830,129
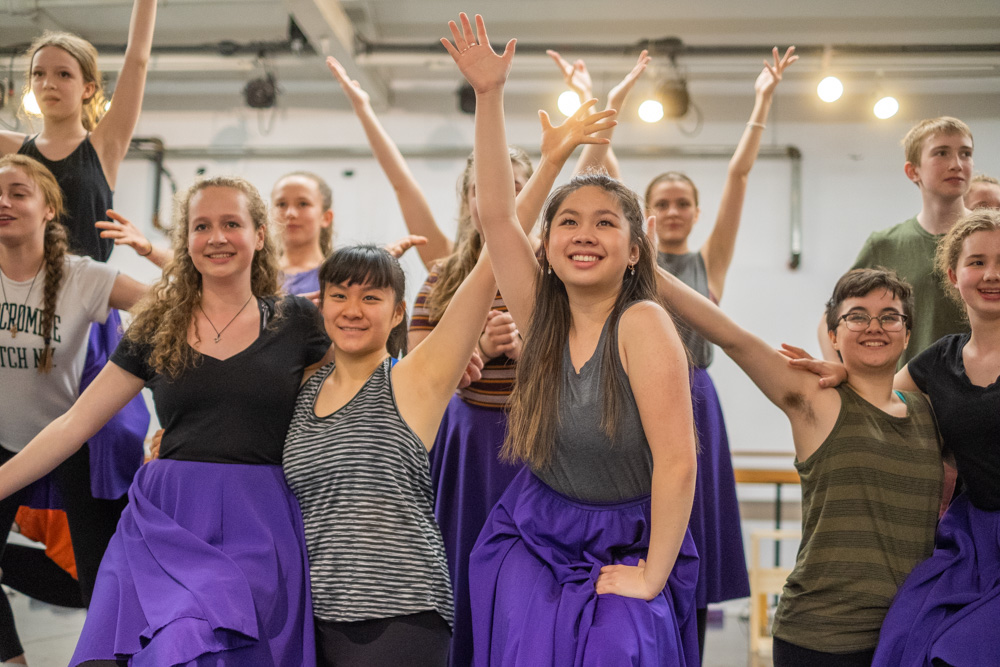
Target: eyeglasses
859,321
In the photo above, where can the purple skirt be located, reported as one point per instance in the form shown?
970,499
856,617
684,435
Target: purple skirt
468,480
715,515
533,573
949,607
116,451
208,566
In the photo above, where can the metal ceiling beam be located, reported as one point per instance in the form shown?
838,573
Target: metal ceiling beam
330,31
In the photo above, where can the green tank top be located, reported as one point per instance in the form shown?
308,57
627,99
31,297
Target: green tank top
870,499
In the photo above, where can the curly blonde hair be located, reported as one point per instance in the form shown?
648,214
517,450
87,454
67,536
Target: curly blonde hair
163,317
56,245
85,54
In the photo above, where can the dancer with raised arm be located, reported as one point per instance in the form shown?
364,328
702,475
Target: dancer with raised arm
208,565
579,522
84,146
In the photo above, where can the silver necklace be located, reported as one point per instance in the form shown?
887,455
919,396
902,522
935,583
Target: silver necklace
218,333
13,323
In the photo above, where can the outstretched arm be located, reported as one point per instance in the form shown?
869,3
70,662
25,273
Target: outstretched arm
106,395
124,232
487,73
416,211
718,249
598,156
654,359
113,134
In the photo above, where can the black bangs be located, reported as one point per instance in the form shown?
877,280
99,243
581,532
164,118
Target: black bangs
363,265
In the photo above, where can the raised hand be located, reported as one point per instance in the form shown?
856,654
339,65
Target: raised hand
482,68
399,247
124,233
559,141
831,373
617,95
473,371
353,90
625,580
575,75
770,77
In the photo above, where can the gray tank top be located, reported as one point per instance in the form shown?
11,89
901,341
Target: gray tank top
690,270
585,463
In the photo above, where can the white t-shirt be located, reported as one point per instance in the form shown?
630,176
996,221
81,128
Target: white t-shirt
30,400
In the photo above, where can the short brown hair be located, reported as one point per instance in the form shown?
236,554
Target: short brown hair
949,249
913,142
861,282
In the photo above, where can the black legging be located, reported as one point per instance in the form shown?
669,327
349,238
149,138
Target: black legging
92,522
417,640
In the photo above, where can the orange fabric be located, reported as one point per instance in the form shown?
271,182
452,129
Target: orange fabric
51,528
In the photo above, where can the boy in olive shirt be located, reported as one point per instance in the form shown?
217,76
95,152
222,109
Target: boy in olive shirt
939,162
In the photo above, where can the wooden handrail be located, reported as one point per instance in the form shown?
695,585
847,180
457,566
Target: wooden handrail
766,476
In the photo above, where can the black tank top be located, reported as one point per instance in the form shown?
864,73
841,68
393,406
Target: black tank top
86,196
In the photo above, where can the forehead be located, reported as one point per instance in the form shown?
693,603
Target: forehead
215,201
985,242
672,189
982,194
876,301
296,185
11,175
54,56
589,198
946,140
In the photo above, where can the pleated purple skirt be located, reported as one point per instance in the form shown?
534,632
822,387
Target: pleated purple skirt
532,576
207,567
949,607
715,515
116,451
468,479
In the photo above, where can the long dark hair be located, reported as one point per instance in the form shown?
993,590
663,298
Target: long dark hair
373,266
533,416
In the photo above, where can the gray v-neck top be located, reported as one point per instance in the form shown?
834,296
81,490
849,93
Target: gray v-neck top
585,463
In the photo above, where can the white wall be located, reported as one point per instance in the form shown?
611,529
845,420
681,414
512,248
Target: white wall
852,183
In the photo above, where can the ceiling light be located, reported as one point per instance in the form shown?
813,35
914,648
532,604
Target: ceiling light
651,111
568,103
30,104
830,89
673,95
886,107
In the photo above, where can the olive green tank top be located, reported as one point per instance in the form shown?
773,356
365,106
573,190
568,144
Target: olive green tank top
870,499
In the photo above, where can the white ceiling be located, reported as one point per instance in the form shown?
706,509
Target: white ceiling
188,72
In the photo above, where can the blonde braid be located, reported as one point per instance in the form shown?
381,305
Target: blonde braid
56,247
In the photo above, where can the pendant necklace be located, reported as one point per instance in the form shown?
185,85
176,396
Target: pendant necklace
13,324
218,333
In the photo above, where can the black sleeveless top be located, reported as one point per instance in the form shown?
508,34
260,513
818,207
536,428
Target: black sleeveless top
86,196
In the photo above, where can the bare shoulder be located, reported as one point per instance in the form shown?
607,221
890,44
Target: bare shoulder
643,318
10,142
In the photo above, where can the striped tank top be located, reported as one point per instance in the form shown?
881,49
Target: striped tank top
362,479
870,499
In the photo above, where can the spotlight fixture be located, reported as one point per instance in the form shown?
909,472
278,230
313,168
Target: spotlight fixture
262,92
467,99
830,89
886,107
568,103
673,95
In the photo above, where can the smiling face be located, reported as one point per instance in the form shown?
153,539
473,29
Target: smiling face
945,166
58,83
589,239
359,317
675,207
977,273
297,205
873,347
222,238
23,208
